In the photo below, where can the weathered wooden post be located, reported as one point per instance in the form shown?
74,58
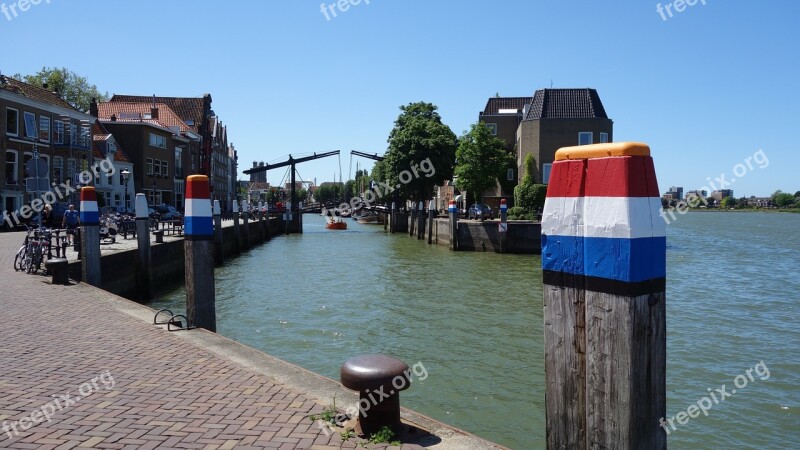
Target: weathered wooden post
236,230
393,218
245,225
421,220
431,212
143,265
218,253
90,236
604,270
260,225
412,219
503,226
453,211
267,231
199,230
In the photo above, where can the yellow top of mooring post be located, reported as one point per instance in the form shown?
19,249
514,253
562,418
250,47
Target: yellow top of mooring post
603,150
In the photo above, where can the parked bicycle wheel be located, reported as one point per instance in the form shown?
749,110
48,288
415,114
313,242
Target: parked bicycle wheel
19,259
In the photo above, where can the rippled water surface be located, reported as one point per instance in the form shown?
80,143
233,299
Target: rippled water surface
474,320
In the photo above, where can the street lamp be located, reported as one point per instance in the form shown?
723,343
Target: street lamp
125,174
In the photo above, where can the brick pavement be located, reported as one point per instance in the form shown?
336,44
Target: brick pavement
166,393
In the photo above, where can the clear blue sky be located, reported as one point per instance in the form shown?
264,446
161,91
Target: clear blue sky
706,88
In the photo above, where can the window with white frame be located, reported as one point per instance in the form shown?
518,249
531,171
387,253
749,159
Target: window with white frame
30,125
179,162
58,132
546,173
44,128
585,138
86,136
165,168
157,167
156,140
149,166
603,138
12,122
492,128
25,158
117,199
73,134
510,175
107,198
11,166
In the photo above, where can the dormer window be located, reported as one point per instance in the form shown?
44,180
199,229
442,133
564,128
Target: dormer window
111,148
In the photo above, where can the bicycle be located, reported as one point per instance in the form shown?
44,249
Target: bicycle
38,247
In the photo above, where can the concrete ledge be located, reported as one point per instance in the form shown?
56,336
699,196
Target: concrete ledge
316,387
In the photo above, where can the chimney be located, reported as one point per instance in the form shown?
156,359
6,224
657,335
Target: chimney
154,113
113,117
93,108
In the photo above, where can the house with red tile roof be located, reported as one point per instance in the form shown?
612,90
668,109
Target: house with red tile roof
37,120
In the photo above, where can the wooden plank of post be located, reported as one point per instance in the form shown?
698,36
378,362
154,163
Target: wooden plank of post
503,226
218,253
199,232
604,270
245,225
90,236
453,211
236,230
431,212
421,220
412,220
143,264
393,218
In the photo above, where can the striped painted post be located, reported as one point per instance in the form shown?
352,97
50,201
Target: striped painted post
604,269
453,212
90,236
503,226
198,248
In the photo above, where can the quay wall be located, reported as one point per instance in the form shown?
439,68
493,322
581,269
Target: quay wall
168,261
524,237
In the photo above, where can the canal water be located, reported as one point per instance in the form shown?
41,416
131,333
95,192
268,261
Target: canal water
474,322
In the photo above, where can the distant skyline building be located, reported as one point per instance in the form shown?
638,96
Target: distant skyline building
258,177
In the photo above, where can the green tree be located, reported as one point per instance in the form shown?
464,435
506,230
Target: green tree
782,199
421,151
73,88
480,160
727,203
529,195
327,192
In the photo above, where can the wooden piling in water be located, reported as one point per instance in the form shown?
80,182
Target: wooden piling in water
431,212
503,226
604,270
218,253
421,220
236,231
90,236
245,225
199,232
453,211
143,278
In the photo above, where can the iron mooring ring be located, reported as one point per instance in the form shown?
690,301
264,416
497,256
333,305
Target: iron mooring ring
155,318
172,321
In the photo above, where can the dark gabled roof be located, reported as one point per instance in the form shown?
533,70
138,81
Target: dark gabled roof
189,109
99,137
495,104
566,104
33,92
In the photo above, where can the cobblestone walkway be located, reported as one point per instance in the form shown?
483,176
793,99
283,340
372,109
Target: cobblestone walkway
107,380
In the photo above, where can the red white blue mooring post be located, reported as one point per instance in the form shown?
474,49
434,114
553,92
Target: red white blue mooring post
90,236
503,226
198,248
453,212
604,270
